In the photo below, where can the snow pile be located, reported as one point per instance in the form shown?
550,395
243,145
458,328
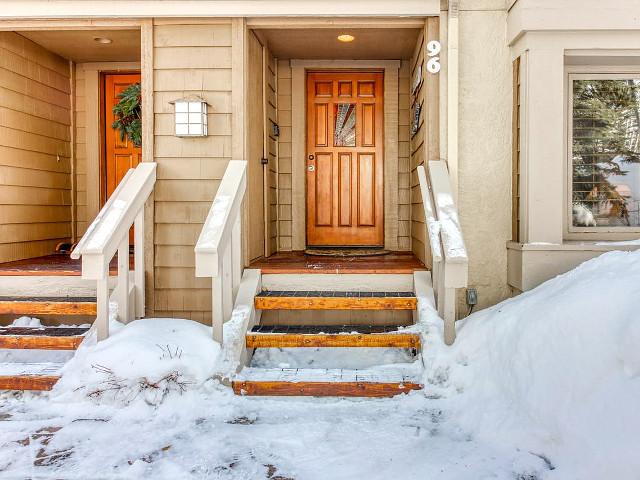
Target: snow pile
554,371
146,359
26,322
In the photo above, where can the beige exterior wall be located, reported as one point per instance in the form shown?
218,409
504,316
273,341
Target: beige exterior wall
404,153
425,145
484,162
35,150
284,157
190,57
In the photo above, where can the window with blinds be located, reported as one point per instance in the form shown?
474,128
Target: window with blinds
605,152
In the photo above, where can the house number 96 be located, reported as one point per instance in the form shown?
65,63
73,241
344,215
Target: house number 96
433,64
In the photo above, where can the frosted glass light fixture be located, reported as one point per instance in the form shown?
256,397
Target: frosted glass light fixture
190,116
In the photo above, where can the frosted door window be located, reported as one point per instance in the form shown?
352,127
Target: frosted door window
344,125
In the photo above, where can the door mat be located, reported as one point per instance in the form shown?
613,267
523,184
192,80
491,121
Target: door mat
345,252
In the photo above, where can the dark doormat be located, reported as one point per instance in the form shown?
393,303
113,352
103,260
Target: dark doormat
346,252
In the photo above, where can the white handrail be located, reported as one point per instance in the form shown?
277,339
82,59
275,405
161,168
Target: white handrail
219,247
450,262
108,233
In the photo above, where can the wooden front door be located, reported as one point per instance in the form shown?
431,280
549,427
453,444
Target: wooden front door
119,155
344,159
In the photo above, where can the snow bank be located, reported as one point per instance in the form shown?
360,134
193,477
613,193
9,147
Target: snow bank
554,370
147,359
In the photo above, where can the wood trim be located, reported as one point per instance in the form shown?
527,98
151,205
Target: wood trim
298,160
225,8
73,156
112,67
93,129
71,24
41,342
239,117
515,153
344,64
335,303
278,340
391,110
92,142
28,382
354,22
324,389
47,308
148,155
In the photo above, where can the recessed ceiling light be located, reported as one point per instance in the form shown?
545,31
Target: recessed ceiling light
102,40
346,38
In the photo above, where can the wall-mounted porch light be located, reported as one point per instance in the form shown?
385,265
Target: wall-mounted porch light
190,117
345,37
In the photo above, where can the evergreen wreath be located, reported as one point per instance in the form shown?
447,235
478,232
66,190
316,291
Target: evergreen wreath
128,112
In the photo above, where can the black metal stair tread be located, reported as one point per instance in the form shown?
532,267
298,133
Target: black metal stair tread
43,331
333,294
48,299
326,329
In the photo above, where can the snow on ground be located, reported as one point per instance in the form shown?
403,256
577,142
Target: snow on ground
554,370
542,386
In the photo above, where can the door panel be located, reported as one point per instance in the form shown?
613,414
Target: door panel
119,155
344,159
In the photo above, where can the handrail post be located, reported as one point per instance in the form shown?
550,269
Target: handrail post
123,279
138,262
236,256
217,309
227,284
102,300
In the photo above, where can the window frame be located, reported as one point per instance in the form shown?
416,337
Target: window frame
572,232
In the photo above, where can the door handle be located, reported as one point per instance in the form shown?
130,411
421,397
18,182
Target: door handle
311,168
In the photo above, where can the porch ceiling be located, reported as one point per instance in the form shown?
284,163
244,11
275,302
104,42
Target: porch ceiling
80,46
322,43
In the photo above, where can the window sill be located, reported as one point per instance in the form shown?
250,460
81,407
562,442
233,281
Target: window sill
530,264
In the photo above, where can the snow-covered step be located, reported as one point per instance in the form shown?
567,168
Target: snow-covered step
29,376
334,300
48,305
290,336
374,382
42,338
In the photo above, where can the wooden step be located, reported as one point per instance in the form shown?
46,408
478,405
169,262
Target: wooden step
290,336
29,376
329,300
324,383
42,338
48,305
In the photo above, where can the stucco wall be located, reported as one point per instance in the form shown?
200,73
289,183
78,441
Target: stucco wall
484,177
35,180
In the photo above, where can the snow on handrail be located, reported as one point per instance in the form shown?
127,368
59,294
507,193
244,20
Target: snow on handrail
219,248
450,262
453,245
433,227
108,233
